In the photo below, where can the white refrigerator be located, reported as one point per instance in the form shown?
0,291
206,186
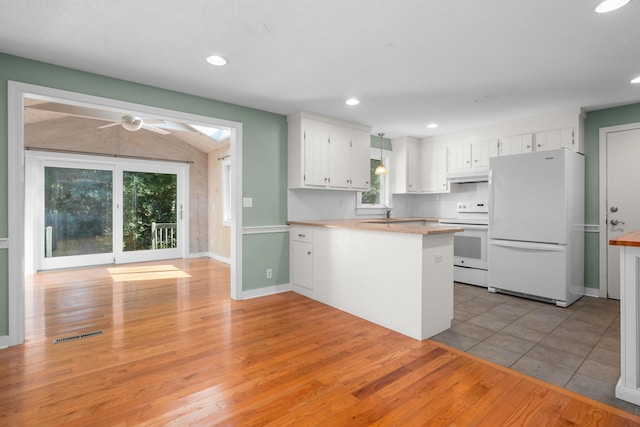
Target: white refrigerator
536,225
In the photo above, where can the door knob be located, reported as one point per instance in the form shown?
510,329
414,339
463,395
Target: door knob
614,209
616,222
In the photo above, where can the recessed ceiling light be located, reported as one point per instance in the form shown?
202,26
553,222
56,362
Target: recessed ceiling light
216,60
432,125
636,80
610,5
352,101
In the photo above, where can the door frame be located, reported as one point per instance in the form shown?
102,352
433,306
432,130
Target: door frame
17,91
602,195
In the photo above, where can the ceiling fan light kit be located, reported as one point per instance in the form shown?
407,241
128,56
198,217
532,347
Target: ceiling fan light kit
131,123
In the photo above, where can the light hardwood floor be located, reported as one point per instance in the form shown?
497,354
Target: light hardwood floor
177,351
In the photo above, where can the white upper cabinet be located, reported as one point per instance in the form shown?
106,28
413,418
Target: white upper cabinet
554,139
459,157
434,169
406,161
481,152
327,153
515,144
471,157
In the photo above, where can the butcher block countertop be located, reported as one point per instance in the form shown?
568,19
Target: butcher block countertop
395,225
629,239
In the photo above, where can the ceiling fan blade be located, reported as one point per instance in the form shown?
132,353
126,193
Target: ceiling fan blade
108,126
154,129
74,110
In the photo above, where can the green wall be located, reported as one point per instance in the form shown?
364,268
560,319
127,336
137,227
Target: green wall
264,144
593,122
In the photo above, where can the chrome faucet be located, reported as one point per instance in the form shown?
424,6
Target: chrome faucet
387,214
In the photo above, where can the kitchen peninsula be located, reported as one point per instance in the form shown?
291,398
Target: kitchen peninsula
397,273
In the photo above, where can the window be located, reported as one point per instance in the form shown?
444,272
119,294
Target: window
226,191
379,196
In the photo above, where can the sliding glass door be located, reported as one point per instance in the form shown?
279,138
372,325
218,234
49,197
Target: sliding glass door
89,210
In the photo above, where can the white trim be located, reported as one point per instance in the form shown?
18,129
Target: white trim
15,160
603,247
4,243
4,341
592,228
270,290
219,258
592,292
266,229
15,106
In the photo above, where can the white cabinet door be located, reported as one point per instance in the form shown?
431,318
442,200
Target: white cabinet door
316,154
413,170
339,157
405,170
459,158
301,257
434,170
516,144
481,152
360,160
554,139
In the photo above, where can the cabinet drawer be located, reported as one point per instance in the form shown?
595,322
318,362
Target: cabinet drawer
302,235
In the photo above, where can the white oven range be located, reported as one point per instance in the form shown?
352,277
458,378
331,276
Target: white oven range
470,249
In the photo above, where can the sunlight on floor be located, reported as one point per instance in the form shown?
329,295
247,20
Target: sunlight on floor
148,272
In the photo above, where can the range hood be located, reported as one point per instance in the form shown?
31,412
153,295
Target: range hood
462,177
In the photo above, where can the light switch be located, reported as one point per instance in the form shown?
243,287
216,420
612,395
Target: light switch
247,202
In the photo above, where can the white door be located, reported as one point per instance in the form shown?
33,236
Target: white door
622,201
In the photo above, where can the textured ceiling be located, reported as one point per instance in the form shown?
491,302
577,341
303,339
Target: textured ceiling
460,63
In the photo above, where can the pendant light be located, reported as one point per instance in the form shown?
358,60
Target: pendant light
381,169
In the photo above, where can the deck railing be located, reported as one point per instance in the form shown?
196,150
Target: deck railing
163,235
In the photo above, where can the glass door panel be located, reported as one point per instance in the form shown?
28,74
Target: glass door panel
78,213
149,211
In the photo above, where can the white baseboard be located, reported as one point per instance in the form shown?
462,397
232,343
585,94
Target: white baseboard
210,255
269,290
4,341
219,258
592,292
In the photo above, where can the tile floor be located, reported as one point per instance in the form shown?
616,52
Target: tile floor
577,347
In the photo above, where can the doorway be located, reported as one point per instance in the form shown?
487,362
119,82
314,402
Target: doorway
619,204
17,94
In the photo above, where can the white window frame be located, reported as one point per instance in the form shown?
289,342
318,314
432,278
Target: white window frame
385,187
226,191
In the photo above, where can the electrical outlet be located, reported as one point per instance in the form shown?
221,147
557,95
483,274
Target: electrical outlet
438,258
269,273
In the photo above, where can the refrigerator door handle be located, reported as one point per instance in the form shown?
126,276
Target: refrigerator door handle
528,245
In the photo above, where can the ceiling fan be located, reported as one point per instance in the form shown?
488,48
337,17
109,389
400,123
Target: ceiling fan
133,123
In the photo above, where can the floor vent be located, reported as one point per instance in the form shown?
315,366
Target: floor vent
77,337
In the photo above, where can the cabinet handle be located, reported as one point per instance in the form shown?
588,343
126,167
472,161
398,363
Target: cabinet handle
528,146
367,182
301,235
539,145
309,253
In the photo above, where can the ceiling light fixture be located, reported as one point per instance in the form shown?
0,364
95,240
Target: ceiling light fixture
217,60
432,125
610,5
352,101
381,169
131,123
636,80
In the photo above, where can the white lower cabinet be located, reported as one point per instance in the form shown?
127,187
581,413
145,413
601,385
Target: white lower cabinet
301,258
402,281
